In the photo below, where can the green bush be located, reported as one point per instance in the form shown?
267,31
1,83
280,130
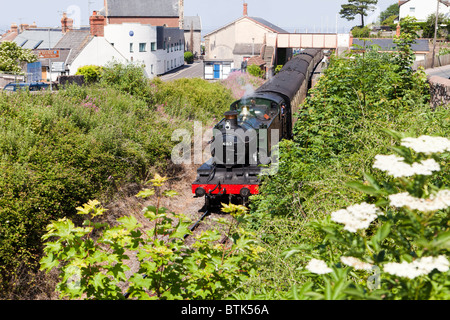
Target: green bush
91,73
60,150
94,267
129,78
255,71
359,32
340,130
189,57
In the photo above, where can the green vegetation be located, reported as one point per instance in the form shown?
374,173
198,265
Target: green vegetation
168,269
255,71
60,150
189,57
344,124
357,8
91,73
12,56
390,13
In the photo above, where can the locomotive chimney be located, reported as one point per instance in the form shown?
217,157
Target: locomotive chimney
231,118
245,9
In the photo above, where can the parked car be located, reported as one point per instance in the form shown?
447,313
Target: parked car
34,86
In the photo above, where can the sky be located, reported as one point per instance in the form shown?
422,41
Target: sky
291,15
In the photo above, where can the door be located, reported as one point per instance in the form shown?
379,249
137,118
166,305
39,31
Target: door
217,71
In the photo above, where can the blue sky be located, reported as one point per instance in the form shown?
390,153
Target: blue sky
300,15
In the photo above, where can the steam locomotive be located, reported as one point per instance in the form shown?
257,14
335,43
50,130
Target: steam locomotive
242,146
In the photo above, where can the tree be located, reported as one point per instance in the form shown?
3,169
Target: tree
392,10
357,7
12,56
429,26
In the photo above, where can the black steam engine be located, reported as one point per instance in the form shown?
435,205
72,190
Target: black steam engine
242,144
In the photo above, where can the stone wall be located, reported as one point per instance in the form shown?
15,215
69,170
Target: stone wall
440,91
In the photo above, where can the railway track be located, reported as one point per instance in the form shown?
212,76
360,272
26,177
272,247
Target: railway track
207,222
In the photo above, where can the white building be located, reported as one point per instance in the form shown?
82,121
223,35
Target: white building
159,49
97,52
422,9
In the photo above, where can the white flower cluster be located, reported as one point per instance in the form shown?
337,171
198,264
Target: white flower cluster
396,166
356,217
427,144
318,267
439,201
418,267
356,263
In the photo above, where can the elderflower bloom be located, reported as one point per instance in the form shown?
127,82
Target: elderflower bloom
396,166
439,201
356,217
356,263
427,144
318,267
418,267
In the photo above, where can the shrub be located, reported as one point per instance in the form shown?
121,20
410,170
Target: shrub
91,73
93,268
255,71
397,245
189,57
129,78
359,32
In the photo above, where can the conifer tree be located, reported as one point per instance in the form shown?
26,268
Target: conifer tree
357,7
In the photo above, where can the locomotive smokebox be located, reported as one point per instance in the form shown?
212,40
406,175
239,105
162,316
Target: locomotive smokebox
231,120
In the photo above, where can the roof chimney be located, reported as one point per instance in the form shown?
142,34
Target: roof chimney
66,23
97,23
14,28
245,9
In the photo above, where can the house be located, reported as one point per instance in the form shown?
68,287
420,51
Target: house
422,9
153,12
240,40
158,49
86,49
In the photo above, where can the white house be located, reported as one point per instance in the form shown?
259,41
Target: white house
98,52
158,48
422,9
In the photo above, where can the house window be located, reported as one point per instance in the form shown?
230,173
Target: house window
153,46
151,68
171,47
131,48
412,9
142,47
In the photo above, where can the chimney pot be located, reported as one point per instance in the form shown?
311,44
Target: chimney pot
245,9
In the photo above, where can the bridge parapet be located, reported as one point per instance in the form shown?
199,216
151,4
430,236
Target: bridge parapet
313,40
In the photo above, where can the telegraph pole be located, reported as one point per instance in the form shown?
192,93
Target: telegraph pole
435,34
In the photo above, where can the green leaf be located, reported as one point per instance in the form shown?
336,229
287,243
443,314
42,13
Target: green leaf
441,242
170,193
363,188
49,262
129,222
146,193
